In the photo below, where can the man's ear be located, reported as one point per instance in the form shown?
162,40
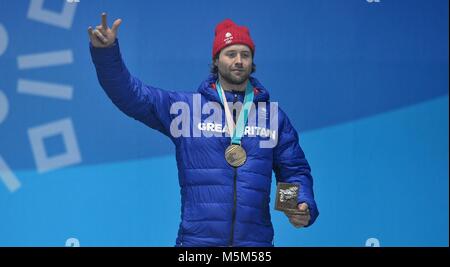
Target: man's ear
216,59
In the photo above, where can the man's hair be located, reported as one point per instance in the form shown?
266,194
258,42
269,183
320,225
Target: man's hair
215,70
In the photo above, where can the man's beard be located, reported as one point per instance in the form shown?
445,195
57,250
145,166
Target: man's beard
233,79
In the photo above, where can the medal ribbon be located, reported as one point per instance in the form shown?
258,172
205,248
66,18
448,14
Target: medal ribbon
236,131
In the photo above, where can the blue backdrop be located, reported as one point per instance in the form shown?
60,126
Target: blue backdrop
364,82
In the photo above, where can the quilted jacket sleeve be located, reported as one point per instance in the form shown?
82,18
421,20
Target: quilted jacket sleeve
144,103
291,166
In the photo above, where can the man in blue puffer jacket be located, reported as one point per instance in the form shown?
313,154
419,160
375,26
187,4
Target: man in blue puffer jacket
224,161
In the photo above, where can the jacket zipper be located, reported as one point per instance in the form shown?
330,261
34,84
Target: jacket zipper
234,207
233,219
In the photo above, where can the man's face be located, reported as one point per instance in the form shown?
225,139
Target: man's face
235,63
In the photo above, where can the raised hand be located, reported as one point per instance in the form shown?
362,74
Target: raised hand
103,36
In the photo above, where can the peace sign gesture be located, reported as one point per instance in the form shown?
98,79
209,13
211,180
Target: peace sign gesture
103,36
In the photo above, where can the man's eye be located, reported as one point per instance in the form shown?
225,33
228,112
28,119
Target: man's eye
232,54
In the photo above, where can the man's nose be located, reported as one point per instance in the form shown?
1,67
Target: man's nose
238,59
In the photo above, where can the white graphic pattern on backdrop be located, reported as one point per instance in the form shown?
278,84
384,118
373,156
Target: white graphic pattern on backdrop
62,128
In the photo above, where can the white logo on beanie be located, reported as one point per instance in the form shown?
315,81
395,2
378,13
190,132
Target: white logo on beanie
228,38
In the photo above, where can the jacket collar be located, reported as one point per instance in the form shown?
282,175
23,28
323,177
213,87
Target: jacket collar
208,89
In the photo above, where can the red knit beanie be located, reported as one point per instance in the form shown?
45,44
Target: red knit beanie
229,33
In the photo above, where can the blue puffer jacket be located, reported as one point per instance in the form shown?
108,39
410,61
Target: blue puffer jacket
220,205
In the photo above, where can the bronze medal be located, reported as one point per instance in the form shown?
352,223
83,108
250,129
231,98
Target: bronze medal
235,155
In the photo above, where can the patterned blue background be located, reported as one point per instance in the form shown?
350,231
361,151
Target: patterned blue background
364,82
